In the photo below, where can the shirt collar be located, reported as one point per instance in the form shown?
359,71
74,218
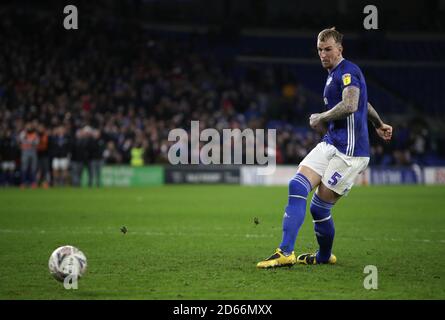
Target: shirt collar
341,60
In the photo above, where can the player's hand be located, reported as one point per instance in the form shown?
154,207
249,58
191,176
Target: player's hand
384,132
315,120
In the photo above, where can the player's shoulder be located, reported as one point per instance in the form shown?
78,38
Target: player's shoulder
349,72
349,67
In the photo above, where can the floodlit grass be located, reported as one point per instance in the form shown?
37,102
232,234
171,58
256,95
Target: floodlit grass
201,242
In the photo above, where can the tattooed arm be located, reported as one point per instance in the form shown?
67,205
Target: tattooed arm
383,130
344,108
374,117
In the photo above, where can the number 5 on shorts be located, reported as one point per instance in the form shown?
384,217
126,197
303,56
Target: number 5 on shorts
334,179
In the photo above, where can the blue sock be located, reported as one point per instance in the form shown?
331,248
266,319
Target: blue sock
323,226
299,188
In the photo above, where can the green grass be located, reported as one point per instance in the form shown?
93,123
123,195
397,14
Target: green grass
200,242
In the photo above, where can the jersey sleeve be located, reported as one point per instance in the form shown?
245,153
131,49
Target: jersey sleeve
350,77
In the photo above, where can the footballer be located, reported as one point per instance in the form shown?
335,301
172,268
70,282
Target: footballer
333,165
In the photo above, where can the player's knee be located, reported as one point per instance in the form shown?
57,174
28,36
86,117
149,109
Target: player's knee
294,186
299,186
320,210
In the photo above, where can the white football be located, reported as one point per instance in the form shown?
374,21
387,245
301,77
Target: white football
65,261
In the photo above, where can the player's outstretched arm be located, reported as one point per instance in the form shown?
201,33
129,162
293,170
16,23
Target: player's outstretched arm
348,105
383,130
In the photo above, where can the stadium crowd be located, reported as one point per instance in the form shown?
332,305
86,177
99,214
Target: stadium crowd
70,103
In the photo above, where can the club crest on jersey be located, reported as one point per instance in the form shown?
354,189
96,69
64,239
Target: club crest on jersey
346,79
328,82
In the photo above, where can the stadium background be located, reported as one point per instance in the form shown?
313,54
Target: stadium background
134,70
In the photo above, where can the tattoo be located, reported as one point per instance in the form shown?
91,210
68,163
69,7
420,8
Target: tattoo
344,108
374,117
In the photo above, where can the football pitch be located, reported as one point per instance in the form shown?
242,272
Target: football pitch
201,242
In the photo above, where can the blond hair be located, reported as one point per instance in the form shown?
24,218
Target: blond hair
330,33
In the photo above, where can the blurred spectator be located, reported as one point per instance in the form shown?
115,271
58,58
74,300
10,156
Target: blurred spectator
137,155
111,155
60,151
81,156
43,174
29,141
419,141
96,150
9,153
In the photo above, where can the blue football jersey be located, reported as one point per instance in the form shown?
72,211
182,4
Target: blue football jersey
349,135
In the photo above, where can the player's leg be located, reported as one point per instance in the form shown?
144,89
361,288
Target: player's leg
337,181
308,176
299,188
322,202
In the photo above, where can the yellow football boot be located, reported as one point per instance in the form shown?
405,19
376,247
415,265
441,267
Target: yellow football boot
278,259
311,258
